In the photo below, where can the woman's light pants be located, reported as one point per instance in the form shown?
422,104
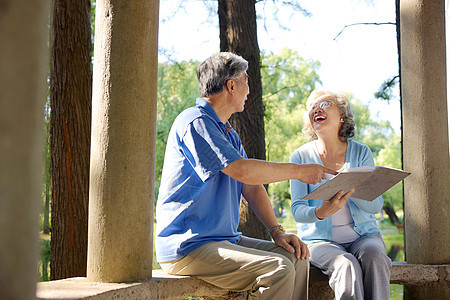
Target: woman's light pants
357,270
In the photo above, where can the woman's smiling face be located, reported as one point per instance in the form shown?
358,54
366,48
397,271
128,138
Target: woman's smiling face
325,109
324,113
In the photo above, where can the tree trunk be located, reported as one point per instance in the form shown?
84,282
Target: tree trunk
237,23
70,119
391,213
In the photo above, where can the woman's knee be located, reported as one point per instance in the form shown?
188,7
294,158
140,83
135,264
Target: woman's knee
375,257
348,264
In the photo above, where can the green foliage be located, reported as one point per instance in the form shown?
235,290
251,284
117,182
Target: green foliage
92,13
367,131
43,265
396,292
286,77
177,90
385,92
390,156
287,80
44,216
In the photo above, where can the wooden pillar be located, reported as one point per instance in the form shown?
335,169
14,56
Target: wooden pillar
425,138
23,68
122,165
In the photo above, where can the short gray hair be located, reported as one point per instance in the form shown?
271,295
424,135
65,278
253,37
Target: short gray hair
215,71
347,129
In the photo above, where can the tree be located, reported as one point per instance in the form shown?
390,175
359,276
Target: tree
237,25
70,117
287,81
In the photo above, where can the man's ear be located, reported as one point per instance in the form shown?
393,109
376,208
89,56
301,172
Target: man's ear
230,86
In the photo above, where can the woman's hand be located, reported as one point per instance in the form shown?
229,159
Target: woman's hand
329,207
291,243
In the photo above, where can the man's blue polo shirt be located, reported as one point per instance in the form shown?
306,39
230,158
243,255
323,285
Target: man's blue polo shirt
197,203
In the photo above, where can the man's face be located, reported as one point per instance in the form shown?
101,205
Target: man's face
242,90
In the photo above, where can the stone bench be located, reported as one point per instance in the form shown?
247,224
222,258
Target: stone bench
163,286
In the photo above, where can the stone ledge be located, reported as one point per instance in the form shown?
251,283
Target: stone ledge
411,274
404,273
163,286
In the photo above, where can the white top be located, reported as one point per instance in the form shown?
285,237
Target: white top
342,231
342,221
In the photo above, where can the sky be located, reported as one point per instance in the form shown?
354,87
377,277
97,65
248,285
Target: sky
358,61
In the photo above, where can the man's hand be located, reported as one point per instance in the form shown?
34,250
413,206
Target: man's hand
329,207
312,173
291,243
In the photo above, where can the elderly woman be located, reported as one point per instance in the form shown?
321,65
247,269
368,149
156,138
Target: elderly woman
341,233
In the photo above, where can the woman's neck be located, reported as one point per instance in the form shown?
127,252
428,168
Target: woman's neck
332,152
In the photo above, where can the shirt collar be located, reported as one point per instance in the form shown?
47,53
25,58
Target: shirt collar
210,111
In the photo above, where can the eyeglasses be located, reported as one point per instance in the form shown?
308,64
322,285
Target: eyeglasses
322,104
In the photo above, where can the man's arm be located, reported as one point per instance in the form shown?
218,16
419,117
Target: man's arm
254,171
259,201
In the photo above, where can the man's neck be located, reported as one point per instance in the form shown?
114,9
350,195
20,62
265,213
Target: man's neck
219,104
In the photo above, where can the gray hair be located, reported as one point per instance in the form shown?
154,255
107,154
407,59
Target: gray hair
216,70
347,129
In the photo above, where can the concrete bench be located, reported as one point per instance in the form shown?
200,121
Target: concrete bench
163,286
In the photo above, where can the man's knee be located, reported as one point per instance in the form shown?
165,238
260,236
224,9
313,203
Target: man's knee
285,268
301,265
296,268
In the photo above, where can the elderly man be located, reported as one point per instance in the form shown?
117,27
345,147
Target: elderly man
205,172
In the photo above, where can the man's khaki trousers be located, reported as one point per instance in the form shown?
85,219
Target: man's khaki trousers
260,267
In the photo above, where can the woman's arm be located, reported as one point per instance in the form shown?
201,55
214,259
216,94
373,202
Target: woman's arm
300,209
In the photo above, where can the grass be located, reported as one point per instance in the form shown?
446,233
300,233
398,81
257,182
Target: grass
396,292
43,267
